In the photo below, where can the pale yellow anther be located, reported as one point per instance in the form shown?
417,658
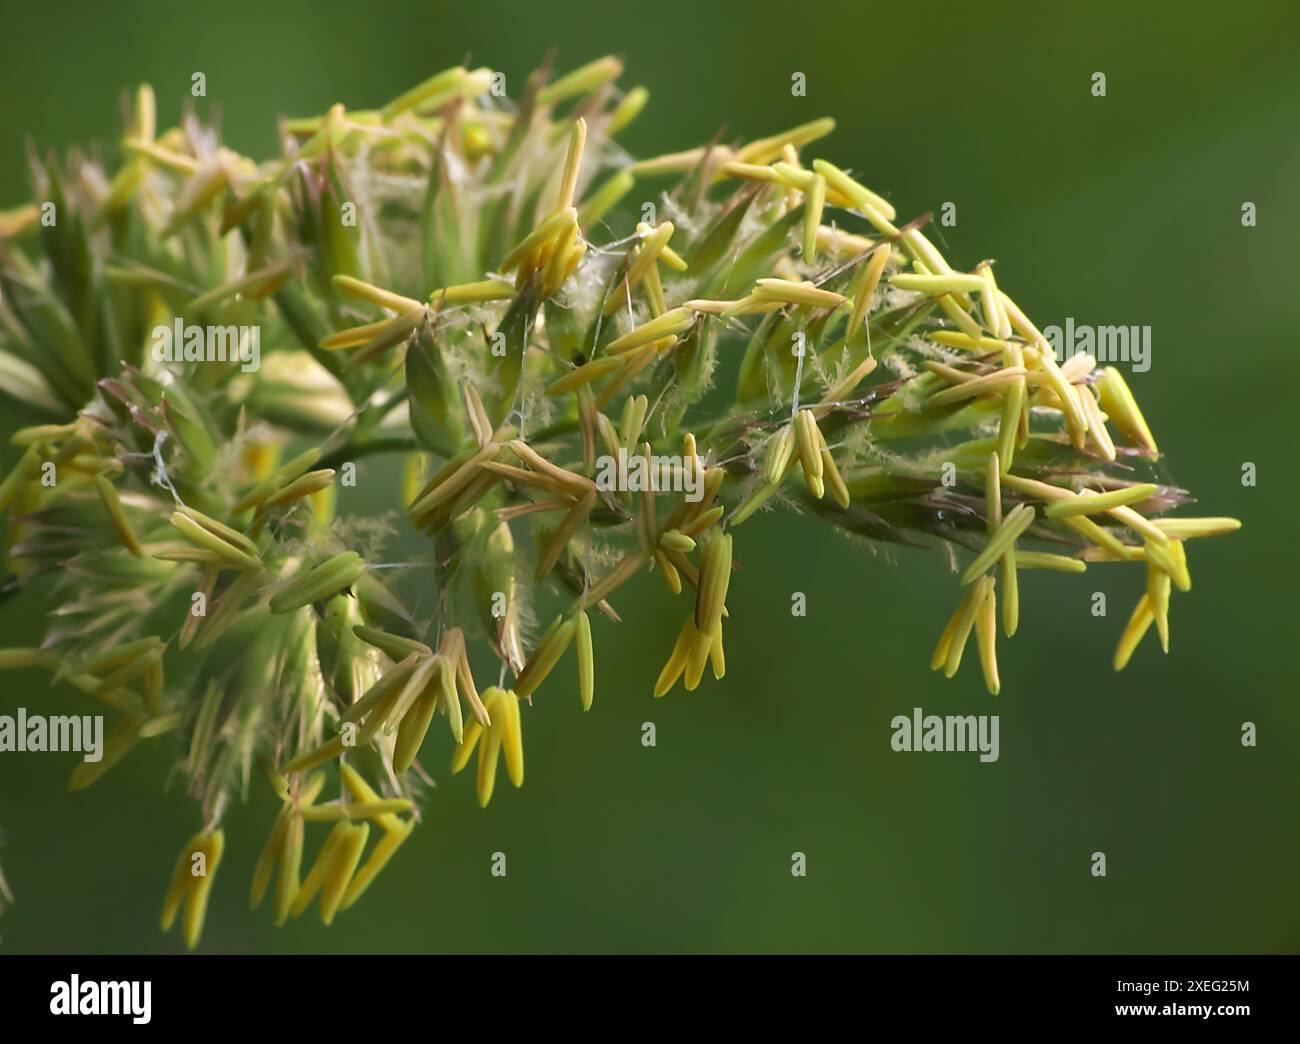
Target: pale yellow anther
805,293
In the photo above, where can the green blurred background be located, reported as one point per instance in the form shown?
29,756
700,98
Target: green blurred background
1124,209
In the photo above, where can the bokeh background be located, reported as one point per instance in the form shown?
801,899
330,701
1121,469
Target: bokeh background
1124,209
